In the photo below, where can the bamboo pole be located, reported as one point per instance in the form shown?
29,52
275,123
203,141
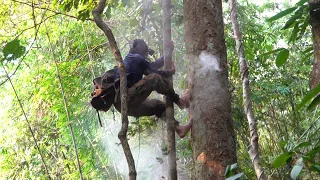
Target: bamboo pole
244,70
123,87
29,126
65,106
172,173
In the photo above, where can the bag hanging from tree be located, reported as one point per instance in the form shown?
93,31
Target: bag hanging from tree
104,91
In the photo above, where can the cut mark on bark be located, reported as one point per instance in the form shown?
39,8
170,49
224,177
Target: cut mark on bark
202,158
214,165
209,62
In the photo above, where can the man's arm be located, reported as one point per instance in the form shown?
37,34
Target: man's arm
157,64
160,62
148,70
154,66
163,73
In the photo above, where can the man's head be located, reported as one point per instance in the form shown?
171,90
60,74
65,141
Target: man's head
140,47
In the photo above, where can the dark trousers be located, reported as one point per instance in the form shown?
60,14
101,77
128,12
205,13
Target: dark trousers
139,105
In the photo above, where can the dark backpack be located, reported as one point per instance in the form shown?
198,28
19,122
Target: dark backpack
104,92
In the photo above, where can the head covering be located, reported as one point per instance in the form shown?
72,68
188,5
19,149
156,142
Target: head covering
139,46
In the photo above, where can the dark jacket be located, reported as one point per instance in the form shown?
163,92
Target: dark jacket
137,66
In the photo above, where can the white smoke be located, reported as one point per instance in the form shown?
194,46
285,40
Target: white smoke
209,62
150,163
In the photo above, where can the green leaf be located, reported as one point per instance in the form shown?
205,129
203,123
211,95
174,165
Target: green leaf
54,2
281,14
304,26
307,57
83,14
311,155
311,94
282,57
283,143
304,144
315,167
301,2
282,159
234,177
234,167
227,173
294,33
271,52
296,169
314,103
293,19
13,50
230,170
308,50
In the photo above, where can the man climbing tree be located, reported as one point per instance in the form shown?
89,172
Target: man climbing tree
139,87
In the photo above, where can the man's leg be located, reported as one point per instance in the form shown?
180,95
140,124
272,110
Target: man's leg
156,107
181,130
148,107
139,105
153,82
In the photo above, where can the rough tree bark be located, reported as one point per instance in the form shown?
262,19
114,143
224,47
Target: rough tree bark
315,26
172,173
213,137
244,70
123,87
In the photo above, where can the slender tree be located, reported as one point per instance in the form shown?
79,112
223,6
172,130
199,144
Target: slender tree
123,87
28,123
66,107
244,70
315,26
166,7
213,138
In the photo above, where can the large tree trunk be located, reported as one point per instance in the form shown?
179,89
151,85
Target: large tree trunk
315,25
213,138
172,173
244,70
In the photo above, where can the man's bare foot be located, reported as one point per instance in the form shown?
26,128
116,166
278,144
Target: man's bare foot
184,101
183,130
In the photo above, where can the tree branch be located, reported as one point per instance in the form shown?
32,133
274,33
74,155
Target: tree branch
166,9
123,87
56,12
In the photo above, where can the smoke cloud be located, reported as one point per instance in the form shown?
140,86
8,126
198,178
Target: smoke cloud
151,164
209,62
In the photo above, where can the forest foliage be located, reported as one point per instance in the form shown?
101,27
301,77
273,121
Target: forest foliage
37,34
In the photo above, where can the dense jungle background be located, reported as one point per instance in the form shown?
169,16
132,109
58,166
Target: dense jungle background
57,44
